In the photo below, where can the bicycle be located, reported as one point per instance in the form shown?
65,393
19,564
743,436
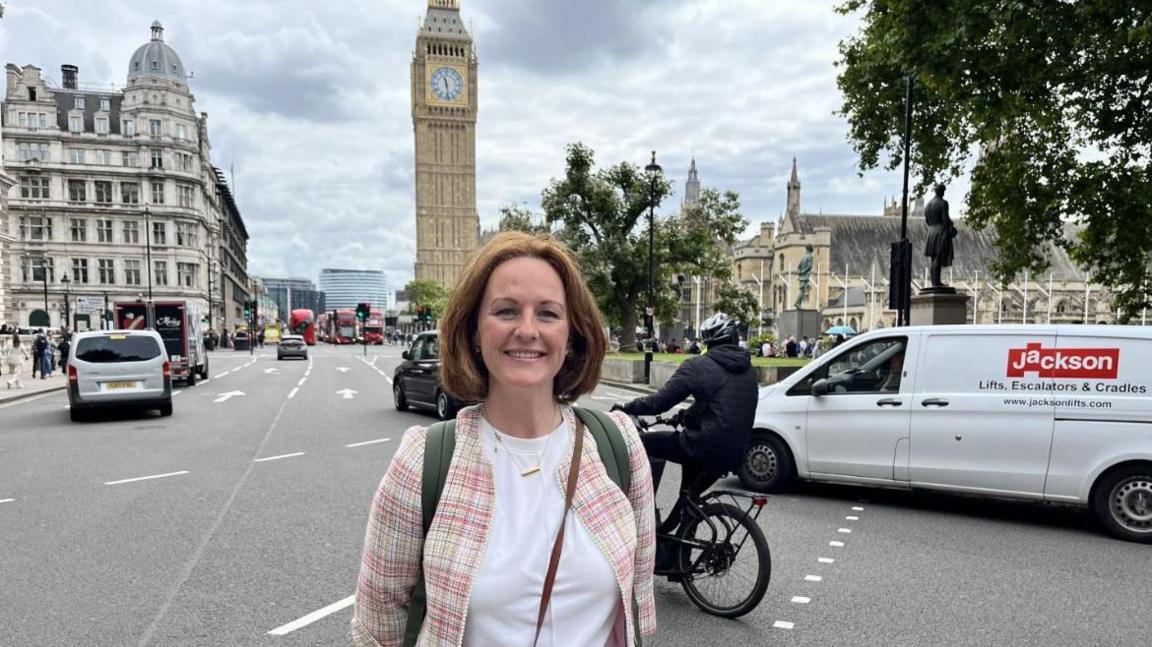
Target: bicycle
704,537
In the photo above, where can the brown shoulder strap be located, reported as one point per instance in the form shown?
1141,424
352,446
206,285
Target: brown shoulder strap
558,545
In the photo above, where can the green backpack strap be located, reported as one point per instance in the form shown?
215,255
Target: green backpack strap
614,454
439,443
610,444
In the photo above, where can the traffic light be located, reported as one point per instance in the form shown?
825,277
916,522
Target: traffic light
362,311
428,314
247,309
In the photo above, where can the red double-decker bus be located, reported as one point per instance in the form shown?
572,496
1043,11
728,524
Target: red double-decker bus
374,327
303,322
344,328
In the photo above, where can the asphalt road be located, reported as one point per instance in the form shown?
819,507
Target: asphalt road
255,522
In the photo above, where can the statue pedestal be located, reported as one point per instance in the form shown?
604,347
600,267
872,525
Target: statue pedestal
939,307
799,323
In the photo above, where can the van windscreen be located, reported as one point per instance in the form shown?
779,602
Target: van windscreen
117,348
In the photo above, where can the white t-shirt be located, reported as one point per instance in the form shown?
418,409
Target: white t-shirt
505,597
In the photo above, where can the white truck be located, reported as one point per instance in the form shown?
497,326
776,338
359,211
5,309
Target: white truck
1051,413
178,323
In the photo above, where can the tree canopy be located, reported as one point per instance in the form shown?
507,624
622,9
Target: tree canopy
1048,101
427,293
601,214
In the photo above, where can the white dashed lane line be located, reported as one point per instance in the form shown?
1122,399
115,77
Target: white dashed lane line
836,544
846,531
800,599
780,624
220,375
7,500
292,393
369,442
286,629
301,382
825,560
813,578
276,458
146,478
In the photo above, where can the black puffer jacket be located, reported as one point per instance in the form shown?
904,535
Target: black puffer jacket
718,425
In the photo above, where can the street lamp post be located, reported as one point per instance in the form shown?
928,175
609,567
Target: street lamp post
44,275
67,311
653,170
148,259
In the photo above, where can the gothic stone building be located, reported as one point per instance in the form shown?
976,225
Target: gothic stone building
444,105
850,270
106,178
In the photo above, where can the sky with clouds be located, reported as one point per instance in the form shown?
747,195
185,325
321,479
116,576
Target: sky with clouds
308,103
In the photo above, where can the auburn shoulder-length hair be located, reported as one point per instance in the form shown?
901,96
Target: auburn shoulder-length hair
462,370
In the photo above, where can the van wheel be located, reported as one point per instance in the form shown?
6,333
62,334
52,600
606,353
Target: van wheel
398,397
166,409
77,414
767,465
445,407
1123,503
204,371
191,379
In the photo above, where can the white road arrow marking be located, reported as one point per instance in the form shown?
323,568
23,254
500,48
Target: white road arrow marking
347,393
222,397
271,370
342,369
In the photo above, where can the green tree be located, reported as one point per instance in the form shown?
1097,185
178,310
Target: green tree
1049,101
602,217
427,293
514,217
738,302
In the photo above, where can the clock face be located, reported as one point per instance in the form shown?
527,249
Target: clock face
447,84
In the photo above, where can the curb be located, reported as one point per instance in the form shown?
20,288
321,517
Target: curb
637,388
31,394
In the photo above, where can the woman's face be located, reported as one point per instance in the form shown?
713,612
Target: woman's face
523,325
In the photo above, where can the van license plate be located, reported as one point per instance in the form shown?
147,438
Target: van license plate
112,386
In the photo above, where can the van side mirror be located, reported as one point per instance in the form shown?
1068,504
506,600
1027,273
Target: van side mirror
406,355
821,387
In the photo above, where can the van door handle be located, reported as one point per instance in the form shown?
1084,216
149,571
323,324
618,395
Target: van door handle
889,402
934,402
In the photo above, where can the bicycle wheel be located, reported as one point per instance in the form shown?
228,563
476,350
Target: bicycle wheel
726,560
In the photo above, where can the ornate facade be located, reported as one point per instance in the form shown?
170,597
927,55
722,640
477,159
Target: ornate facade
115,194
444,107
850,270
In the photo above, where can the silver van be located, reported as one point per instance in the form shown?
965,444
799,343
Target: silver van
119,369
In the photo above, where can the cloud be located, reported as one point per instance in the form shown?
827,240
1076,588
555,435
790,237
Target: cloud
309,104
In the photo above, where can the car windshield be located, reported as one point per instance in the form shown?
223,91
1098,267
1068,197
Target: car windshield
117,348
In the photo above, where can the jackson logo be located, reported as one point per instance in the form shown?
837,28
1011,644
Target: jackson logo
1090,363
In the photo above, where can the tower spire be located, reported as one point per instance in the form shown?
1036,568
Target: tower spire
692,186
794,191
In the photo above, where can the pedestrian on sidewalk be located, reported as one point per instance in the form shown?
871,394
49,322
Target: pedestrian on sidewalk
47,357
15,360
38,344
64,348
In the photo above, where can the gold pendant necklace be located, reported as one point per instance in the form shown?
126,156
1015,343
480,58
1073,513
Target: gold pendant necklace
524,471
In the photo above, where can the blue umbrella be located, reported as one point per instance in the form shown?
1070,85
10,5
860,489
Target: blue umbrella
847,331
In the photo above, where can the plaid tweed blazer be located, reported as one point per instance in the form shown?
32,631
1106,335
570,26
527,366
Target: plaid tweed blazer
623,527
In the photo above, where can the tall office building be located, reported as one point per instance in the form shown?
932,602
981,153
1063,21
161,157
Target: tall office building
343,289
294,294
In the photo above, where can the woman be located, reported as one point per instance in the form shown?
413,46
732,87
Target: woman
15,360
522,336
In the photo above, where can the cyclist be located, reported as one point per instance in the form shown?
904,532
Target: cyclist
718,426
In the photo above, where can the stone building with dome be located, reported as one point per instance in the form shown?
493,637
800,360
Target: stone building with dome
114,190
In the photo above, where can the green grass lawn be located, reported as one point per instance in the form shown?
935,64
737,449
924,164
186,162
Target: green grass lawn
677,358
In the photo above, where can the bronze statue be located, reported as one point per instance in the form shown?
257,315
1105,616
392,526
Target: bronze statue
804,276
941,231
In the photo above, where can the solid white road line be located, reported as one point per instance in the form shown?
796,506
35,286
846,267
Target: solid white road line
7,500
284,630
780,624
800,599
292,394
146,478
836,544
276,458
825,560
812,578
369,442
33,398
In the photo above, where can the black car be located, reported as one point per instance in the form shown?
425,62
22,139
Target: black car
417,379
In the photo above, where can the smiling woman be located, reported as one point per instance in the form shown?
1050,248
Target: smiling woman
522,336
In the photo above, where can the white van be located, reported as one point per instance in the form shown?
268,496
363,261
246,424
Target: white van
1061,414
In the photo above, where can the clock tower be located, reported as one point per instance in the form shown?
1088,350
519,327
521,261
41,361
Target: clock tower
444,123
